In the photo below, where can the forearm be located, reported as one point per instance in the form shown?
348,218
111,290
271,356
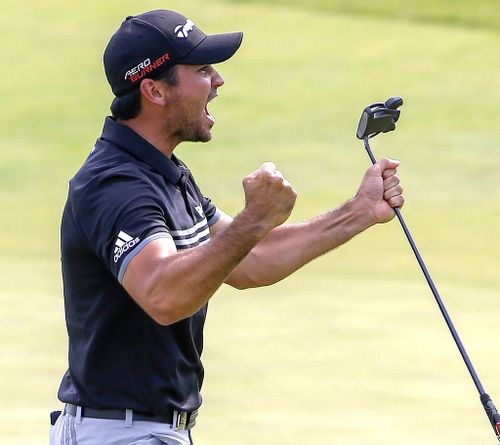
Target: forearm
171,285
181,284
289,247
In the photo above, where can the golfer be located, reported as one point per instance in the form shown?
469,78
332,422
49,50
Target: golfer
144,250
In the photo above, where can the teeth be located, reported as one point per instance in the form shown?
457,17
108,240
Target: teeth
209,115
207,112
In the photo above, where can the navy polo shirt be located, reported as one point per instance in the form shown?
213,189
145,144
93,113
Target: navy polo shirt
126,195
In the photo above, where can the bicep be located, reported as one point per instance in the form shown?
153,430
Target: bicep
143,272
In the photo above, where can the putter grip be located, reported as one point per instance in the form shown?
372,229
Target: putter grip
492,413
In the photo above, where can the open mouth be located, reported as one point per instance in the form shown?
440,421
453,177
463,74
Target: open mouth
207,112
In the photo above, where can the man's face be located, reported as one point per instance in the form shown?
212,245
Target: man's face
197,85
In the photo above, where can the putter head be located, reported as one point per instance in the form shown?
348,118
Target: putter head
380,117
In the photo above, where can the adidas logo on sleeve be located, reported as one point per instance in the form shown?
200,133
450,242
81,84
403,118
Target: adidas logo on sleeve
123,243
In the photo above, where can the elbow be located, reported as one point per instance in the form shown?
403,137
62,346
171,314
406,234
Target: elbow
246,274
239,285
164,317
242,280
164,311
167,308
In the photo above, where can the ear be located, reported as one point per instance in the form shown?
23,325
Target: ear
154,91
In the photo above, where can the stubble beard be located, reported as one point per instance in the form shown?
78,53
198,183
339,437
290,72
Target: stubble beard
194,133
191,129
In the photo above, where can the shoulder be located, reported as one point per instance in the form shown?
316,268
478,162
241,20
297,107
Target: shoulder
95,187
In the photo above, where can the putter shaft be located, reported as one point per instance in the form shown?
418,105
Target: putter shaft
491,411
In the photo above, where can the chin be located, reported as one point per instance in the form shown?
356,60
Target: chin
204,135
197,132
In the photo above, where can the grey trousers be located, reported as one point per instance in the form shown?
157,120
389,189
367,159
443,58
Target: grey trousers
77,430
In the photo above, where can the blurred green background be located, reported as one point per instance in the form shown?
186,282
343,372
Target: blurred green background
350,350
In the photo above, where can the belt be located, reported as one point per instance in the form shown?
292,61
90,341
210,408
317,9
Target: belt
180,420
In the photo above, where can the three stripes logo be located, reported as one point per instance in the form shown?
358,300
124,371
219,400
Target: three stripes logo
123,243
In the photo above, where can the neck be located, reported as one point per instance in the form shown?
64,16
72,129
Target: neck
155,134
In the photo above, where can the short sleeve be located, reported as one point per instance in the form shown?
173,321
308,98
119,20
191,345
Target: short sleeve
211,212
120,215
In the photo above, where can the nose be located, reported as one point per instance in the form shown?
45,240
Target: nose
217,79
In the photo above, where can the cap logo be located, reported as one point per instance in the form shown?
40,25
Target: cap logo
136,69
146,66
182,31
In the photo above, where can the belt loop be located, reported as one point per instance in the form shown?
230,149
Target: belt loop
180,420
175,417
129,417
78,416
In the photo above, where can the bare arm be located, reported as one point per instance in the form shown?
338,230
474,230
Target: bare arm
288,247
246,251
171,285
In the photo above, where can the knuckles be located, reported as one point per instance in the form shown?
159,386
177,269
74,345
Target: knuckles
264,178
269,194
394,179
397,201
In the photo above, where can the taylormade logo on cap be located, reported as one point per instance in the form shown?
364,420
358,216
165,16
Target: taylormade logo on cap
182,31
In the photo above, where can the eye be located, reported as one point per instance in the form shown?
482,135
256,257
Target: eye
205,70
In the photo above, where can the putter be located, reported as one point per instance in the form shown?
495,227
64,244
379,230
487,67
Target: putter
381,117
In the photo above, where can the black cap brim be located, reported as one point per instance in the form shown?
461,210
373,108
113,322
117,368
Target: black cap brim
214,48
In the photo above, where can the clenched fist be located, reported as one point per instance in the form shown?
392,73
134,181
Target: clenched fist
381,190
269,197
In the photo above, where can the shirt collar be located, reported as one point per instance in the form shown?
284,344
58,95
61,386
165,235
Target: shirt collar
130,141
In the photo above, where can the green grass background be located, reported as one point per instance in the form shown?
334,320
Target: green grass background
351,349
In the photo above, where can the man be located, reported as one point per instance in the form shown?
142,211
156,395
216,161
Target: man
143,250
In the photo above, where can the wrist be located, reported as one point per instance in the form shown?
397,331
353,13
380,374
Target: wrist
361,215
252,225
